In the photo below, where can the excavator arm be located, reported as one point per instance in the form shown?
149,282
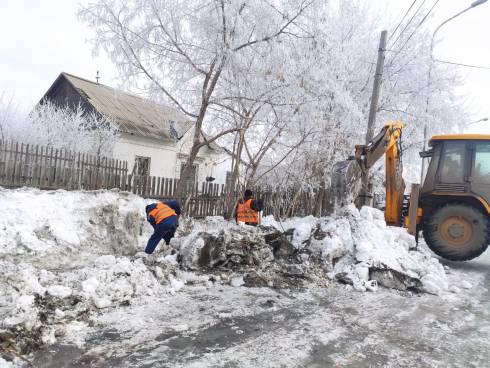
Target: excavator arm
346,178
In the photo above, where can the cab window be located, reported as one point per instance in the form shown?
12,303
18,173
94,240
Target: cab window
481,164
452,166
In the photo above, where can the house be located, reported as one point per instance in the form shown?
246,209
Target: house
154,139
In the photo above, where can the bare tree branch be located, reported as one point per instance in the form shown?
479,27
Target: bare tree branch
282,29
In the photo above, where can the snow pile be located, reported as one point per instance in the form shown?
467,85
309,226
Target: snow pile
60,222
388,255
67,257
354,247
39,306
360,249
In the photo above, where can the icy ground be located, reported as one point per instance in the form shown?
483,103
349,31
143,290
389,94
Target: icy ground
75,290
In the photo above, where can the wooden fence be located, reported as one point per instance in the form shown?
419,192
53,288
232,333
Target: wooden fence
51,168
206,199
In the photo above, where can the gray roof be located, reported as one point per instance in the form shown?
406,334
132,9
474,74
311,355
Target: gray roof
133,114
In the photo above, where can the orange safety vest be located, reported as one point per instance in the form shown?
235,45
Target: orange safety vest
245,213
161,212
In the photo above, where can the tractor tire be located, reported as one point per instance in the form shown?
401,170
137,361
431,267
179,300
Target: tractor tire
457,232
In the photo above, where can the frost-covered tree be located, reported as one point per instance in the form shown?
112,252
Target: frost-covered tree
341,61
62,127
179,50
8,116
285,85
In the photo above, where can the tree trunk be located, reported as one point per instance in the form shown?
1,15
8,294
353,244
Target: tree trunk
196,146
231,195
317,211
184,177
290,210
250,180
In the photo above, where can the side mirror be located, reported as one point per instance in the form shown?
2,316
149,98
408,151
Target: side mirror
426,154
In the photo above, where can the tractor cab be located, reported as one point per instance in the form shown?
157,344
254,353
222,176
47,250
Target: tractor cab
455,196
460,166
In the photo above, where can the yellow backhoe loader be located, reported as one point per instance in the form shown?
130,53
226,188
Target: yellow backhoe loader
451,208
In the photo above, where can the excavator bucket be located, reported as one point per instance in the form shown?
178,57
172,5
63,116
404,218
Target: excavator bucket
346,183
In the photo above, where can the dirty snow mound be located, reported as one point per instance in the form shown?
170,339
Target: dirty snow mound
68,257
359,248
65,256
354,247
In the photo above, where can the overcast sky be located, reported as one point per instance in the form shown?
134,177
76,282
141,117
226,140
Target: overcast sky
40,39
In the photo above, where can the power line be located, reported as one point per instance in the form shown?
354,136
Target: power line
415,30
401,21
408,23
461,64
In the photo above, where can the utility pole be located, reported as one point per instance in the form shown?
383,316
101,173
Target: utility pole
365,197
376,86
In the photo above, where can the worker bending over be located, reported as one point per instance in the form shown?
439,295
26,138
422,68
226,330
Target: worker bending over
164,217
248,209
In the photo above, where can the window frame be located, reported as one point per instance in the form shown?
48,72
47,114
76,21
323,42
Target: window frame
443,159
474,178
136,167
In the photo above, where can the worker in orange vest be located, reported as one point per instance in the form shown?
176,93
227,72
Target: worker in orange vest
248,209
164,217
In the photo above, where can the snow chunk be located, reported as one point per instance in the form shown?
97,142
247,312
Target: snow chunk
301,234
5,364
106,261
175,285
59,314
48,336
25,302
59,291
101,303
32,282
90,285
237,281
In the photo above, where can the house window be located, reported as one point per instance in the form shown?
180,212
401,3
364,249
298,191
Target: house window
141,166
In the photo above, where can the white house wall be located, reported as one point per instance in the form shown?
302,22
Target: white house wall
166,157
162,155
222,166
208,159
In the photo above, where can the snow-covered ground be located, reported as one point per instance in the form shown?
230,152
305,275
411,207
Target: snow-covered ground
75,289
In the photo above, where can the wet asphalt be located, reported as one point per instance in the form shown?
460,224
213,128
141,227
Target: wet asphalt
334,327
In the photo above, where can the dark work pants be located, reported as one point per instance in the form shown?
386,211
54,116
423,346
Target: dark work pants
164,230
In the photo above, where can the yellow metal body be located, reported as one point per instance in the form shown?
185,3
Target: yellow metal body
455,137
387,143
395,186
485,204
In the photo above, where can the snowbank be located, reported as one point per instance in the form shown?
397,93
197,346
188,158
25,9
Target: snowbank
354,247
67,257
60,222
